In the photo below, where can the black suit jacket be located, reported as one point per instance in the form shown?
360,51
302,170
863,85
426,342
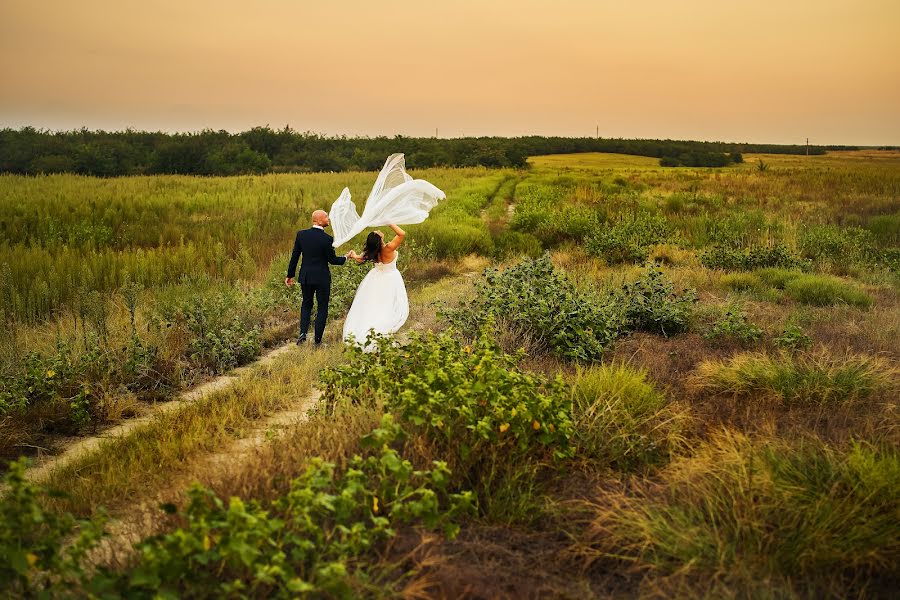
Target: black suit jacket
315,247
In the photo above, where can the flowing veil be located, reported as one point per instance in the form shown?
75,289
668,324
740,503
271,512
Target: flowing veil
395,198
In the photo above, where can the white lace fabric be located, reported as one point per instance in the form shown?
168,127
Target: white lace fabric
395,198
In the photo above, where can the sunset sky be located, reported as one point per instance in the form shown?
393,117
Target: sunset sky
762,71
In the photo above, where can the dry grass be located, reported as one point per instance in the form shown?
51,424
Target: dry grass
742,517
150,457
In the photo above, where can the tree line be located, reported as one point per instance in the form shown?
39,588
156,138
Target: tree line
263,149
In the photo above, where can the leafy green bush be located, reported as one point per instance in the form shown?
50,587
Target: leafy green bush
41,551
651,304
470,401
72,381
736,259
222,334
823,290
630,238
312,541
735,325
793,338
537,302
621,420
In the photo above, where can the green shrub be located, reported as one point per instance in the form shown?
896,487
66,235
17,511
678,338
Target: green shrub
651,304
838,245
43,553
536,302
73,381
735,325
313,541
222,334
630,238
804,379
496,425
741,512
793,338
621,420
732,259
822,290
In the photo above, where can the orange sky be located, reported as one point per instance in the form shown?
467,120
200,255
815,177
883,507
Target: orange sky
760,71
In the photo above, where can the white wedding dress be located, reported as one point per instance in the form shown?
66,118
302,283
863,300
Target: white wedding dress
381,304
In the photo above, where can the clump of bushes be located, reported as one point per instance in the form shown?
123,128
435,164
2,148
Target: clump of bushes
734,325
540,305
793,337
741,259
311,541
471,401
68,385
221,328
652,304
622,420
496,425
629,238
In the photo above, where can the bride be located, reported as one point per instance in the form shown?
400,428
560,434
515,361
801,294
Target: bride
380,304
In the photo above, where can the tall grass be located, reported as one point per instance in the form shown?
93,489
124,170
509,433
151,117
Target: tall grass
802,379
621,420
155,454
761,513
60,234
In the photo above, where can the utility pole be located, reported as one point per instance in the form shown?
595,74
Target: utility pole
435,132
807,147
598,132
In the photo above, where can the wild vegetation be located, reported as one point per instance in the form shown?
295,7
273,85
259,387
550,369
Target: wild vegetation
619,380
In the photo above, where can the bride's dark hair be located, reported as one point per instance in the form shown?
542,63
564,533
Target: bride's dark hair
372,249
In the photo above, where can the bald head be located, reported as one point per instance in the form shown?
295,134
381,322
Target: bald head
320,218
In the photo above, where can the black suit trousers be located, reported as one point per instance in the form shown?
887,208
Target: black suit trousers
321,292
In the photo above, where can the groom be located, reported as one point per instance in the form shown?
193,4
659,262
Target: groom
315,278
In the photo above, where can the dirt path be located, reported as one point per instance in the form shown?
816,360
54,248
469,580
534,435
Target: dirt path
46,464
145,518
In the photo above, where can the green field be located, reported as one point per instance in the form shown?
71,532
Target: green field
618,380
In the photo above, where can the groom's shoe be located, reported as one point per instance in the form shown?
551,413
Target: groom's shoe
320,345
301,340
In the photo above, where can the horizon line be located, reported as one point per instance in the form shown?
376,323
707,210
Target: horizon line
233,132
